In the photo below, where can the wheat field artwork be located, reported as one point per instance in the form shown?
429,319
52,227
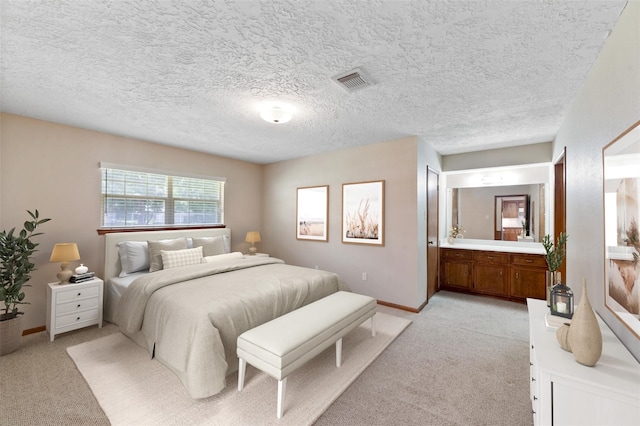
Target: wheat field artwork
363,213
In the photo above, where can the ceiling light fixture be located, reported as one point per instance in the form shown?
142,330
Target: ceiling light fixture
276,115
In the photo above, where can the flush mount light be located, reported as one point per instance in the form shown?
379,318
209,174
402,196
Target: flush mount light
275,115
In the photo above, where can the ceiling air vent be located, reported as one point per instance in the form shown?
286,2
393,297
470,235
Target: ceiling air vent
352,80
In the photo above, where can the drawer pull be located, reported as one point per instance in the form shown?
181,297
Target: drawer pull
531,346
78,319
78,305
490,257
530,364
535,398
528,260
533,379
79,294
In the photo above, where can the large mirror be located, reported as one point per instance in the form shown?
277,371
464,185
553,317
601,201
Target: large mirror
506,203
621,185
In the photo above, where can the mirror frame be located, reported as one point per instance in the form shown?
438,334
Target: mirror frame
621,214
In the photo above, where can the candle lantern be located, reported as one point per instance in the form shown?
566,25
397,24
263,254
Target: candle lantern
561,301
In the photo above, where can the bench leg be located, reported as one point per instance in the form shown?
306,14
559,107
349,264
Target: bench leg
339,352
242,366
373,326
282,385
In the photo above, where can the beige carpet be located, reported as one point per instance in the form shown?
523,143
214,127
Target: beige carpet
134,390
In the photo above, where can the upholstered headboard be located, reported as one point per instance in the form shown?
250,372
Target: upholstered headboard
112,259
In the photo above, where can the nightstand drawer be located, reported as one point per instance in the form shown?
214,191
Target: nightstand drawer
76,318
77,306
63,296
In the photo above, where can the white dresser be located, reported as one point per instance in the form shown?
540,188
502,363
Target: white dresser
73,306
564,392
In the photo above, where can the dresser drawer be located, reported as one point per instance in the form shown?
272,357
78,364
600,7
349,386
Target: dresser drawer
456,254
490,257
77,306
76,294
76,318
529,260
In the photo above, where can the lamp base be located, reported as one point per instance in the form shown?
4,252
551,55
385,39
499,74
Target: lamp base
65,273
252,251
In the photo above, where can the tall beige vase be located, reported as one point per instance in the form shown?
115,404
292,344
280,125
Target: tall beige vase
585,338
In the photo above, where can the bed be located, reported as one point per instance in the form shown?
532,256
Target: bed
188,316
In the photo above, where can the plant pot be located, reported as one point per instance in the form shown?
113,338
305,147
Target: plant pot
10,335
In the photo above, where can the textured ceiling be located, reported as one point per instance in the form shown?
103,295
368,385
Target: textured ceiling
461,75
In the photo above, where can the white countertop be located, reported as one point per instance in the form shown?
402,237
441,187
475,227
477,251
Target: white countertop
497,245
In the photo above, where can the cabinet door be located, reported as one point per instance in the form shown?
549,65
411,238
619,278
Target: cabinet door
527,282
456,274
491,279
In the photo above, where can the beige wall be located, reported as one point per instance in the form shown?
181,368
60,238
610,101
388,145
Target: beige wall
55,169
395,272
608,104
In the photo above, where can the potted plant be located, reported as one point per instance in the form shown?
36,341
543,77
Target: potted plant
16,250
554,257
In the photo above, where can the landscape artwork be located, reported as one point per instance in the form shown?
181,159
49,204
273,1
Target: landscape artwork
621,161
312,213
363,213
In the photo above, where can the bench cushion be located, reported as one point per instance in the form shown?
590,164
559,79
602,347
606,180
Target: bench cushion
281,345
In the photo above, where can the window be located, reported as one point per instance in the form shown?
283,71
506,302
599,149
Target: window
134,197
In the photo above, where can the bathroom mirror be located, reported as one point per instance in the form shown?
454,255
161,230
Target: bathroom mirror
621,172
492,204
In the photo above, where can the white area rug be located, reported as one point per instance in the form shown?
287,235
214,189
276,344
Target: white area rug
133,389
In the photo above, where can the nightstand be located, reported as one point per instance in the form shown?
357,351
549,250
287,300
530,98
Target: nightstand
72,306
261,254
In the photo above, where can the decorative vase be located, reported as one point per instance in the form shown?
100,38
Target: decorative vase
563,337
82,269
585,337
451,240
10,335
552,278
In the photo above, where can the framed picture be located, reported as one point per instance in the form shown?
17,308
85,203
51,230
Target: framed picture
621,173
312,208
363,213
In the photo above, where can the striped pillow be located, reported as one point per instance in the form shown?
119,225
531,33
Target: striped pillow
176,258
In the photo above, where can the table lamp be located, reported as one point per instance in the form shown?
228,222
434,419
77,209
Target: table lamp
252,238
64,252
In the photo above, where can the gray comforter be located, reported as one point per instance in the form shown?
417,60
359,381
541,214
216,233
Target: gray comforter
190,317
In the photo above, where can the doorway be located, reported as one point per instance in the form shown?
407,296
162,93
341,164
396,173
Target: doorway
433,262
511,217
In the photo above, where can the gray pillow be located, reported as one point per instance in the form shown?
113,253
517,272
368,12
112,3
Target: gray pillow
155,248
211,246
134,257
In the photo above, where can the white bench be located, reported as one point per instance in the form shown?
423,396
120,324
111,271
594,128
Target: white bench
280,346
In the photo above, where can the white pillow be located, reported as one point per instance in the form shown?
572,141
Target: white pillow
222,257
134,257
211,246
176,258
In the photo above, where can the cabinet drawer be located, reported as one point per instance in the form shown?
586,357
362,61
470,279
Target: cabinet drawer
76,318
76,306
490,257
77,294
456,254
529,260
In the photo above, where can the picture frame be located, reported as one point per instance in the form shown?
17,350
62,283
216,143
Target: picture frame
363,213
621,212
312,213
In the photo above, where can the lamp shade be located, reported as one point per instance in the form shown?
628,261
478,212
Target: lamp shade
65,252
252,237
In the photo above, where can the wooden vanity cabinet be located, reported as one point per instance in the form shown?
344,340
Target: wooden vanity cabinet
491,273
528,276
456,269
514,276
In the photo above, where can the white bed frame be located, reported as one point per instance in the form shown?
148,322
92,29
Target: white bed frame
112,259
